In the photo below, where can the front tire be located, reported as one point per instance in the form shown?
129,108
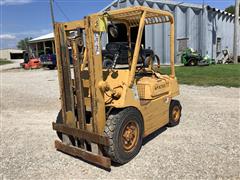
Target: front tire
124,128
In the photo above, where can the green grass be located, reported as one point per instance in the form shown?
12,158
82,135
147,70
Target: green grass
227,75
4,61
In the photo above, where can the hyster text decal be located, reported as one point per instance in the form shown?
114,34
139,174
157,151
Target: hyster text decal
160,86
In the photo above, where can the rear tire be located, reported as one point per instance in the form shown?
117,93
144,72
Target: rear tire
124,128
175,110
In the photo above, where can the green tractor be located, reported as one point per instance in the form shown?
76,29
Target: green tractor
190,57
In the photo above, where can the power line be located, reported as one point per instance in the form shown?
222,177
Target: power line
61,10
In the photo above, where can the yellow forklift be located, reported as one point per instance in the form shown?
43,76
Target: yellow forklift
107,110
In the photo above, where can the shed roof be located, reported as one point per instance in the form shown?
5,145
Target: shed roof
45,37
219,11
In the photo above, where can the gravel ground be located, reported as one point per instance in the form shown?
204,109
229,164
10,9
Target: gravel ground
205,145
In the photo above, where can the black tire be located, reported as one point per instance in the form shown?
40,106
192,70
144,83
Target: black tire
192,62
59,120
116,123
174,119
51,67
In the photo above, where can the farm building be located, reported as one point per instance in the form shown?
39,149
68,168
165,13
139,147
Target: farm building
201,27
11,54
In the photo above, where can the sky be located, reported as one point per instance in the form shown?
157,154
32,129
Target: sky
31,18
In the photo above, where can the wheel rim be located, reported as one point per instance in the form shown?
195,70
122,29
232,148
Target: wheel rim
130,135
176,113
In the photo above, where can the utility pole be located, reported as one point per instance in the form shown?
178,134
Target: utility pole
52,13
236,32
53,24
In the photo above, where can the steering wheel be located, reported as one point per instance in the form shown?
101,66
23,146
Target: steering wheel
114,49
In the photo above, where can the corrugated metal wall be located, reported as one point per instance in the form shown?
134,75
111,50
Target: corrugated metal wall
219,26
199,29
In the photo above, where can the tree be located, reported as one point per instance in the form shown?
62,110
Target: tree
231,9
24,44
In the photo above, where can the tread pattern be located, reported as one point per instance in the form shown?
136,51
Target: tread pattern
114,121
109,130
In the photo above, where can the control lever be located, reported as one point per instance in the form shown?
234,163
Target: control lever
115,60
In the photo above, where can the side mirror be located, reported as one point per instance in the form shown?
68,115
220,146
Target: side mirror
113,30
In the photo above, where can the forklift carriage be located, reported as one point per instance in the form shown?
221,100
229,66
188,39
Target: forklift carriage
106,112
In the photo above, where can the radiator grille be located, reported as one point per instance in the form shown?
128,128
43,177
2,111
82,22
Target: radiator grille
141,91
